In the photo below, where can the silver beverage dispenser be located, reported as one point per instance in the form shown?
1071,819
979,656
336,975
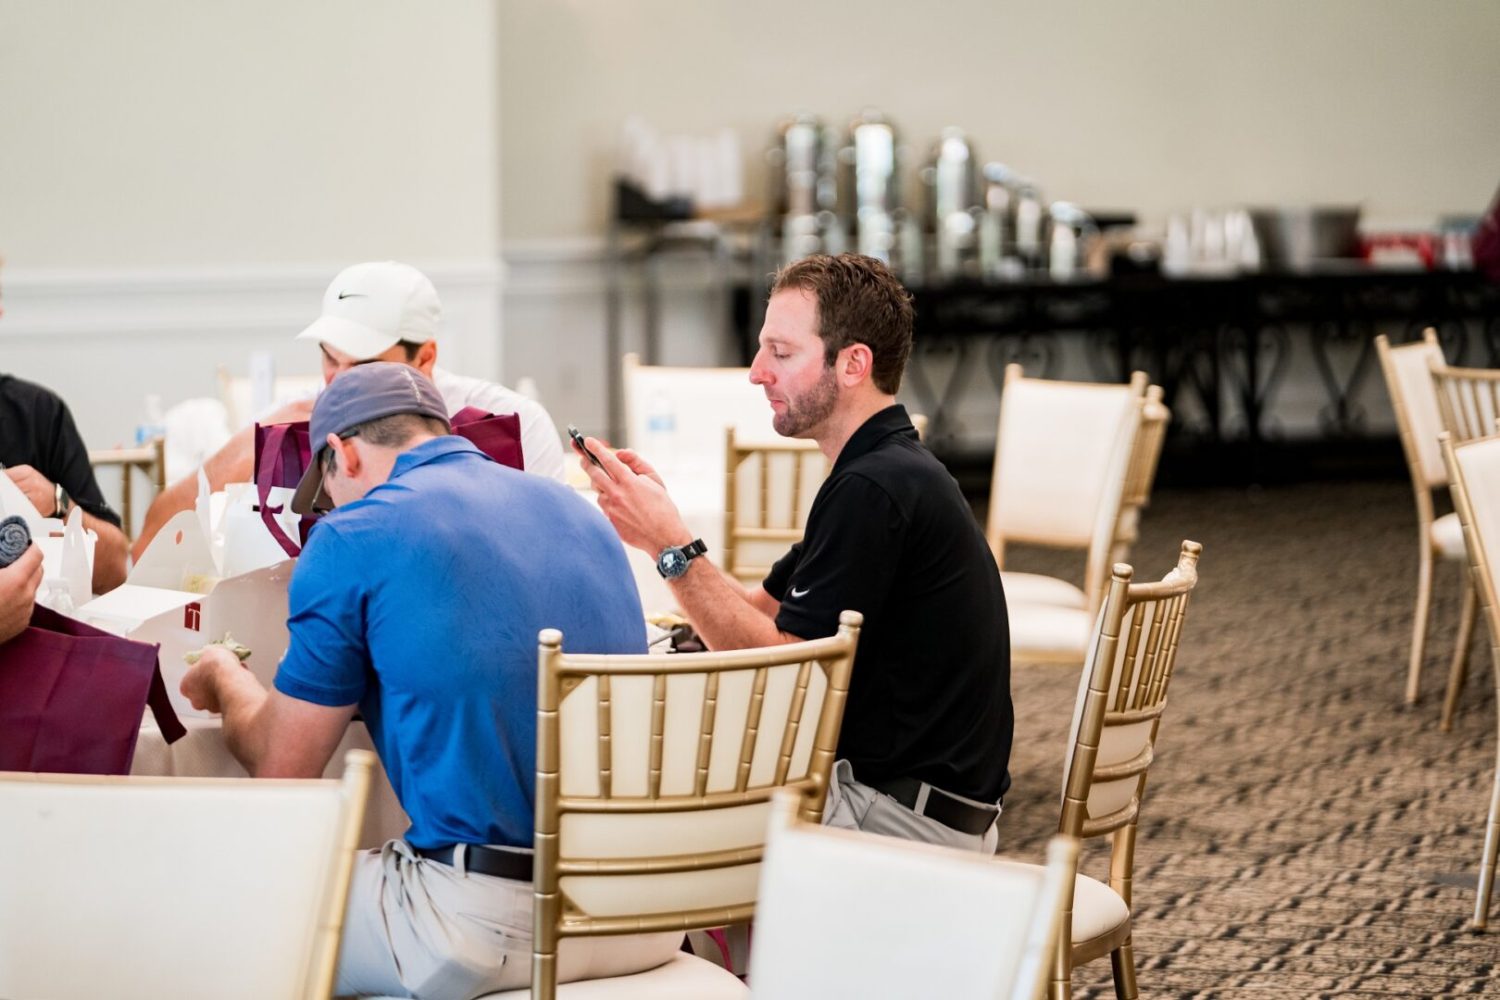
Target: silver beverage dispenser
951,179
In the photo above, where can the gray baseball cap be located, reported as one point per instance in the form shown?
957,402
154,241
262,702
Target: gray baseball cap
361,394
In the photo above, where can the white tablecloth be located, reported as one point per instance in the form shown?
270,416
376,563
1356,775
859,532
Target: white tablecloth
202,753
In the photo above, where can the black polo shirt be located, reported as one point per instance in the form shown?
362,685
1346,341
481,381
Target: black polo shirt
890,535
36,429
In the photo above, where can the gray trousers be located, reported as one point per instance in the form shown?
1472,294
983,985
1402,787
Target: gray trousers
853,805
419,928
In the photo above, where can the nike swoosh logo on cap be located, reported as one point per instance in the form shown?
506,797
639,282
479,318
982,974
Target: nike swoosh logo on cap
352,295
800,593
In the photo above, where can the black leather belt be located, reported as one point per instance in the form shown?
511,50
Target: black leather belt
485,860
954,813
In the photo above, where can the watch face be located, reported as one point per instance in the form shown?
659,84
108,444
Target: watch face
671,563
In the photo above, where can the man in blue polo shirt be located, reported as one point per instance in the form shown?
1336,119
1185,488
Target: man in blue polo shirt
417,602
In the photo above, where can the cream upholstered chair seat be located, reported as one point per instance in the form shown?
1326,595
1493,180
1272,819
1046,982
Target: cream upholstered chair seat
682,978
1046,633
1101,920
1448,536
1038,588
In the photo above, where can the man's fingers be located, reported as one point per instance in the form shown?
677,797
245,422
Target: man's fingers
609,459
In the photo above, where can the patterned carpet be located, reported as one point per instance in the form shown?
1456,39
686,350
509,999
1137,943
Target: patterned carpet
1302,833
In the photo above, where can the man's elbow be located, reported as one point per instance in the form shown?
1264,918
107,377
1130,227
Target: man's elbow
109,559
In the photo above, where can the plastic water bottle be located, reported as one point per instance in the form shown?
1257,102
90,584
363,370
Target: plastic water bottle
661,430
153,424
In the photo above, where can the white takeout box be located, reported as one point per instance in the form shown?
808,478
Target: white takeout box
67,550
208,572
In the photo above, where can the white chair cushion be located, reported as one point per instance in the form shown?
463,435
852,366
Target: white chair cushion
1448,536
1035,588
685,977
1098,911
1048,633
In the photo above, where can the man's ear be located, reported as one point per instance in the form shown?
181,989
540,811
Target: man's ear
426,358
856,364
350,461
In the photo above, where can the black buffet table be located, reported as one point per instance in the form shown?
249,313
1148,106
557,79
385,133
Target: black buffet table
1224,346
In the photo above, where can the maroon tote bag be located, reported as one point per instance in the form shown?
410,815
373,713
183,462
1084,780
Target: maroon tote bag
283,452
72,697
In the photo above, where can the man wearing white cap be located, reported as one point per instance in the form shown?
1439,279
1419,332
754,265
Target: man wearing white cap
377,311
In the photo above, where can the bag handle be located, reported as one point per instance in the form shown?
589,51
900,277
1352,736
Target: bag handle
167,721
271,454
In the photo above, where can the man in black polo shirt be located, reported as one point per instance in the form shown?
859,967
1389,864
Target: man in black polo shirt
42,452
928,724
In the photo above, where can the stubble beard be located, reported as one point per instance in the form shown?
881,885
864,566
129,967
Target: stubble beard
809,410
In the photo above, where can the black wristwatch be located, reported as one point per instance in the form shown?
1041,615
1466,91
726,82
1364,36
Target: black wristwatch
673,560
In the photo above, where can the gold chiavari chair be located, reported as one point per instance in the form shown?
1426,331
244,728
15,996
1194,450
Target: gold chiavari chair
1122,695
149,459
935,922
1408,379
1468,401
1062,455
1140,474
769,487
137,887
654,782
1474,478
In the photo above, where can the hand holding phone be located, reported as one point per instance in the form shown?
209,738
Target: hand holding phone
583,449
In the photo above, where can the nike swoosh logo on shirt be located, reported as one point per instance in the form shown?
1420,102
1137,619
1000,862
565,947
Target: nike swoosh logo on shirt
352,295
800,593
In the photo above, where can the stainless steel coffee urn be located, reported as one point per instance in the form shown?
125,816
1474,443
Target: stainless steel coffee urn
951,178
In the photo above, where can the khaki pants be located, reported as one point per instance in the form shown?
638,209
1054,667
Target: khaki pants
420,928
853,805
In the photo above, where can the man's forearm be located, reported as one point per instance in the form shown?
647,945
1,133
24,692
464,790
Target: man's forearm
722,612
109,554
241,698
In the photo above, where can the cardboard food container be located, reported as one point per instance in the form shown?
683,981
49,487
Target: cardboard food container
208,572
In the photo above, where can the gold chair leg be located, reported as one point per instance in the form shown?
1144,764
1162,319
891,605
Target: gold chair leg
1487,861
1122,961
1419,623
1061,987
1458,672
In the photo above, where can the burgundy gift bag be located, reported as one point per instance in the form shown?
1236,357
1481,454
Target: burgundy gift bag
72,697
282,454
283,451
497,435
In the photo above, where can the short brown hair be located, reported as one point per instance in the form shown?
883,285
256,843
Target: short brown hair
387,432
859,302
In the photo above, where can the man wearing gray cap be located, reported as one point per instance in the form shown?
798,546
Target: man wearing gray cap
376,311
417,602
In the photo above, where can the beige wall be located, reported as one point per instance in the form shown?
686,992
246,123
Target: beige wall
1152,104
173,133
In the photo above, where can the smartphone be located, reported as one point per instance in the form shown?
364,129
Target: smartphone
577,439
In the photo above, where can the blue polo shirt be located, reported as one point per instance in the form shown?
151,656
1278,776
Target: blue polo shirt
421,602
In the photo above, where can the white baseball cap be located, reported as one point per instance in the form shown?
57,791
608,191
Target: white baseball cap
371,307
